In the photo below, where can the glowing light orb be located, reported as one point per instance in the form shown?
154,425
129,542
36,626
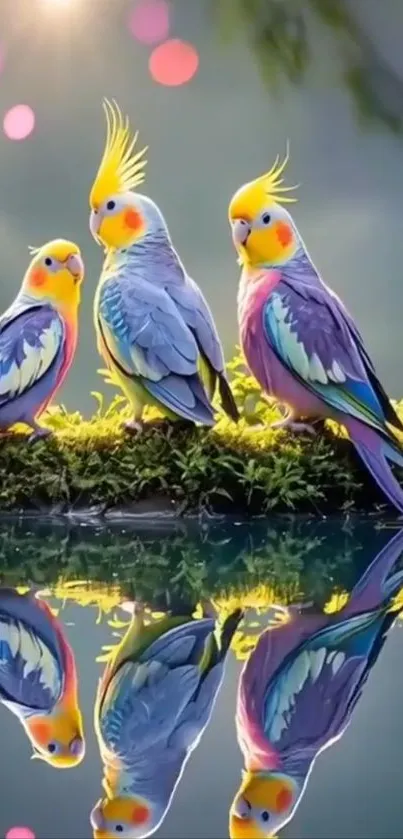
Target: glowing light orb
149,21
20,833
173,63
19,122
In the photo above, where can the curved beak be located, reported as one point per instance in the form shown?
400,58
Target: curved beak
96,818
76,747
241,808
240,231
95,224
75,265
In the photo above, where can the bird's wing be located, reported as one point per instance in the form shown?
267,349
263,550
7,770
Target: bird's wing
195,717
31,677
310,700
146,699
141,706
314,337
31,345
148,339
198,317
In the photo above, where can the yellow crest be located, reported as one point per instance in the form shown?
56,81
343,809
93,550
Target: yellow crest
272,181
121,170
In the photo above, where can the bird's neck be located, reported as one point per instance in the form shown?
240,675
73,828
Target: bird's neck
67,308
298,268
154,254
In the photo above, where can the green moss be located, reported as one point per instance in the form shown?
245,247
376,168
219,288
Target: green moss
232,468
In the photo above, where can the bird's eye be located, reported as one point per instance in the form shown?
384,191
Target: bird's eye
111,205
119,828
266,218
48,261
51,747
265,816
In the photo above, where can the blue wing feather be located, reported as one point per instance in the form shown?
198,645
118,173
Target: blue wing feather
148,339
315,338
31,663
31,343
310,700
197,315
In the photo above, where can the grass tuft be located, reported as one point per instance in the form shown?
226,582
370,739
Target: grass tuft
231,468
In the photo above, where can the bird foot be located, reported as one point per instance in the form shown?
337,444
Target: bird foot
258,426
134,427
39,433
288,424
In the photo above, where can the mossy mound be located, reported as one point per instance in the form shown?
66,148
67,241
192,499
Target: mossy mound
230,469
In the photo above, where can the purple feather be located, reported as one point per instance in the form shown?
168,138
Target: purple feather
303,680
27,642
22,330
305,350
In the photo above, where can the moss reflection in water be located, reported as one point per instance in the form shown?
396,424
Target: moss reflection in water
256,565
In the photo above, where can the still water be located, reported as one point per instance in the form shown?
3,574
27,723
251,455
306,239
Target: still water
87,572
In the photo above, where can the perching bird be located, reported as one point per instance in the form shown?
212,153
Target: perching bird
38,679
38,334
154,328
297,693
153,703
298,339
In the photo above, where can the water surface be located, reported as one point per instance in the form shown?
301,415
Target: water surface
87,571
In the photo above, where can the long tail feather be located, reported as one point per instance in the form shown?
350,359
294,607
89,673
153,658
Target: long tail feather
227,399
375,452
381,581
228,630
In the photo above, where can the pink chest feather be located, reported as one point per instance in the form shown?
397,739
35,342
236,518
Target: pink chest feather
273,376
254,290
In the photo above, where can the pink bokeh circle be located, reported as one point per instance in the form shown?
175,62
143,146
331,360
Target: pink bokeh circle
173,63
149,21
20,833
19,122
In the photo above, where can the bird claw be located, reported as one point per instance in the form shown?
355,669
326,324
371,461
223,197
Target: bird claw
134,427
39,434
288,424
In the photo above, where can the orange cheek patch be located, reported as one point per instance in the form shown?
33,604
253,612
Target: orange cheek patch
40,731
133,219
140,814
284,800
284,233
38,277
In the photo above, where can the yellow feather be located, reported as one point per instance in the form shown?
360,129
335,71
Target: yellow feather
121,168
272,181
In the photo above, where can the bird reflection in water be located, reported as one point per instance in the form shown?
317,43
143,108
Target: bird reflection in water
38,680
298,690
153,703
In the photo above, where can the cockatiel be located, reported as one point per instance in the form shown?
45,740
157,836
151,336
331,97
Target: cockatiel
38,679
298,339
153,703
154,327
38,334
297,693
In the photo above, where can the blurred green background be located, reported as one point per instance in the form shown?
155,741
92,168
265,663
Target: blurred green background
326,74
